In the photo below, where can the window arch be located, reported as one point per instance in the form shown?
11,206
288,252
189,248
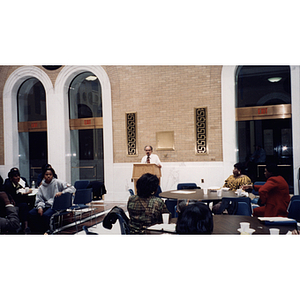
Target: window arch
62,84
10,117
86,128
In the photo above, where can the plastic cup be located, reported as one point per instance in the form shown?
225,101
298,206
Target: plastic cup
205,191
165,218
239,192
219,193
274,231
245,226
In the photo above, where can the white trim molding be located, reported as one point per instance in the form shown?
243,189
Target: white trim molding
10,109
61,156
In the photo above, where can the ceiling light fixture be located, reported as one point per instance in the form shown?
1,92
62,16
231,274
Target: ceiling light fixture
274,79
91,78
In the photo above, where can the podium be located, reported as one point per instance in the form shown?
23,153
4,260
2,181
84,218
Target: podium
140,169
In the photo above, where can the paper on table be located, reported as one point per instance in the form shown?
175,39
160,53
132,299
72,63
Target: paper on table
34,192
275,219
168,227
183,192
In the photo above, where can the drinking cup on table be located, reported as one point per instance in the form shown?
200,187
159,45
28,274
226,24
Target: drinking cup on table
274,231
205,191
26,189
245,226
239,192
165,218
219,193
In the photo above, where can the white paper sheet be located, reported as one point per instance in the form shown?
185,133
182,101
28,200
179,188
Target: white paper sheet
183,192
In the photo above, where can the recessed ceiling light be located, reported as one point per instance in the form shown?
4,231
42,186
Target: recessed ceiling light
274,79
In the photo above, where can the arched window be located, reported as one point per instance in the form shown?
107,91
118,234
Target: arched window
263,114
32,127
86,125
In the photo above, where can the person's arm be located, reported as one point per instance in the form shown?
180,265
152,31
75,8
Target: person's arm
65,188
265,189
39,201
11,223
157,161
246,184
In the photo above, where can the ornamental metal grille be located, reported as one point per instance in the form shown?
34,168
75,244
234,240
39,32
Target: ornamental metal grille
201,131
131,134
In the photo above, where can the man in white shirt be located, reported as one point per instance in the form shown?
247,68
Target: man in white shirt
150,157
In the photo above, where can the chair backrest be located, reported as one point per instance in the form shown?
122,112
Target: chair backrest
123,225
158,191
244,207
257,183
81,184
62,202
294,210
171,204
295,197
186,186
83,196
98,189
117,213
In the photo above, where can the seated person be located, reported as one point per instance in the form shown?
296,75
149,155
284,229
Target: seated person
234,182
195,218
40,176
17,187
274,196
39,217
9,219
237,179
144,208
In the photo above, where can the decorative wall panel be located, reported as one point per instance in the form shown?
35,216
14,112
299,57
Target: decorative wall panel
131,133
201,130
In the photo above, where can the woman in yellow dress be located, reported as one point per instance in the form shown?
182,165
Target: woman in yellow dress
234,182
237,179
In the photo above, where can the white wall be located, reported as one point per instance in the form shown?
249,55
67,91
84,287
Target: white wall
213,174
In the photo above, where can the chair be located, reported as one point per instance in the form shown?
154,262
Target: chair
158,191
295,197
257,183
171,206
61,205
87,231
294,210
244,207
117,213
187,186
81,199
98,189
81,184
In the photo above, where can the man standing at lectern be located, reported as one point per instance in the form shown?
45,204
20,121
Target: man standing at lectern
150,157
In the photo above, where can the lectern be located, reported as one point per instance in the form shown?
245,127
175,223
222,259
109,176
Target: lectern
140,169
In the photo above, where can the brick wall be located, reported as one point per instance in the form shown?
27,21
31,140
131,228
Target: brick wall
164,98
